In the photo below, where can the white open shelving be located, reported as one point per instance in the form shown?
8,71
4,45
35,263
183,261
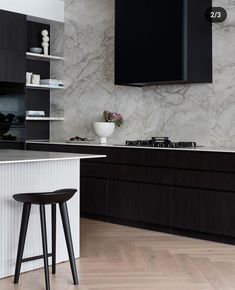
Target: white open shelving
38,56
44,118
43,87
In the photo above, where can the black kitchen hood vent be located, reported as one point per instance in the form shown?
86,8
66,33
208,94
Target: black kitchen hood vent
162,42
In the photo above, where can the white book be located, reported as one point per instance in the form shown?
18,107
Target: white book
52,82
35,113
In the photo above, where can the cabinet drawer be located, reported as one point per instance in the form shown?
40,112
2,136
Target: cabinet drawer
204,211
139,202
205,180
12,66
212,161
128,173
12,31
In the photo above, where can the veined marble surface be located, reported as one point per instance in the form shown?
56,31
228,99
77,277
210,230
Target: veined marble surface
19,156
200,112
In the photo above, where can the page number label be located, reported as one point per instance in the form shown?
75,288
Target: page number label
216,14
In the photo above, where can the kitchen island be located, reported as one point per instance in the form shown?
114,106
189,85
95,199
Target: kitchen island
32,171
188,191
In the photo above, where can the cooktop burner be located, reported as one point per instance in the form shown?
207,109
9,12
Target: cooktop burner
161,142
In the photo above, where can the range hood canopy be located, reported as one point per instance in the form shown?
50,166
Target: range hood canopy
161,43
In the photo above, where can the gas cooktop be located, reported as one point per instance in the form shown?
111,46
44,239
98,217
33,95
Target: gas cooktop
161,142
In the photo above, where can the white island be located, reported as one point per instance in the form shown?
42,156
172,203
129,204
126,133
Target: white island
36,171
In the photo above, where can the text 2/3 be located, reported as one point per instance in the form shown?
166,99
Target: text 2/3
216,14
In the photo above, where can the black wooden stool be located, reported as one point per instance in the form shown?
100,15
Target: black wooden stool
42,199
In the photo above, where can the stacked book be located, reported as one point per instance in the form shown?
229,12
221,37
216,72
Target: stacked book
52,83
35,114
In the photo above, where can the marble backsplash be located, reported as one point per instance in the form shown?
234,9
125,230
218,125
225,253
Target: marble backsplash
203,112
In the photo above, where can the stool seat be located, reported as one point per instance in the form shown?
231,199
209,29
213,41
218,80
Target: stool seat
44,199
58,196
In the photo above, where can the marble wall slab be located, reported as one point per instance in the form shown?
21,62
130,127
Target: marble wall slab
201,112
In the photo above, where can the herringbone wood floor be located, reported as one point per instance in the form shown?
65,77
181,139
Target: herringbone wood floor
115,257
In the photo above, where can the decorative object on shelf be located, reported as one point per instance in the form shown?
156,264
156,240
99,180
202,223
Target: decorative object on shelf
9,137
29,77
116,118
45,42
4,125
37,50
77,139
35,113
35,79
52,82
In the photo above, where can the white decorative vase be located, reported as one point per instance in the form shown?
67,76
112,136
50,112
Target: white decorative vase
103,130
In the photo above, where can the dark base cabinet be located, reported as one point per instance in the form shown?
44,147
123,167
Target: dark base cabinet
96,201
184,192
139,202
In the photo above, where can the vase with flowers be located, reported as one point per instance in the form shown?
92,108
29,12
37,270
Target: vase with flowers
105,129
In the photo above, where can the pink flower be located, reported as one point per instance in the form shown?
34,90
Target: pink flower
113,117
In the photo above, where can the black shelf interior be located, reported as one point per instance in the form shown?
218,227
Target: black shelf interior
37,100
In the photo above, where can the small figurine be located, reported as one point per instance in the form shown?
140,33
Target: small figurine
45,41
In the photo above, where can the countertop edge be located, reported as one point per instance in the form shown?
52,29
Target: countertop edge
198,149
51,159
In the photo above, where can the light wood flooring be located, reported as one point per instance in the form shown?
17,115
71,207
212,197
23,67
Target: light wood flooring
116,257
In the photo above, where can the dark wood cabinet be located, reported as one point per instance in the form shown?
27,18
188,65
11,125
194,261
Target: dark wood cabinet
96,201
12,66
12,47
139,202
204,211
187,192
12,31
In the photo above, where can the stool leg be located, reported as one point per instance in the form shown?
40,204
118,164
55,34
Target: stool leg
53,227
23,231
68,238
44,245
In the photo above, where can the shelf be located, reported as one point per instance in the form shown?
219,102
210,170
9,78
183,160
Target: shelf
44,118
37,56
43,87
12,141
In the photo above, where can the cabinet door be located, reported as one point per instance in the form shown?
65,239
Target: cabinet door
204,211
12,66
139,202
93,196
12,31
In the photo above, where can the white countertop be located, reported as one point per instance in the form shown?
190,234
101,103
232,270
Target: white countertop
19,156
197,149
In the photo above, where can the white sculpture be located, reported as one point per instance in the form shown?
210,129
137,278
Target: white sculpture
45,41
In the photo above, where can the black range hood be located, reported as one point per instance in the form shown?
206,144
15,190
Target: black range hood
162,42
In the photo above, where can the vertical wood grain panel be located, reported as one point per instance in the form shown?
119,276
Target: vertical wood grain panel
35,177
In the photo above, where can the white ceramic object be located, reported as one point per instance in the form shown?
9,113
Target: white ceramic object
37,50
103,130
45,41
29,78
36,79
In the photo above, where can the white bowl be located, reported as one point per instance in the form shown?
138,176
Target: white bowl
103,130
36,50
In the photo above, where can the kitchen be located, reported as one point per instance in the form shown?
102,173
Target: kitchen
151,190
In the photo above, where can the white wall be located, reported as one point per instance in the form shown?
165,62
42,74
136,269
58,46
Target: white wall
46,9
